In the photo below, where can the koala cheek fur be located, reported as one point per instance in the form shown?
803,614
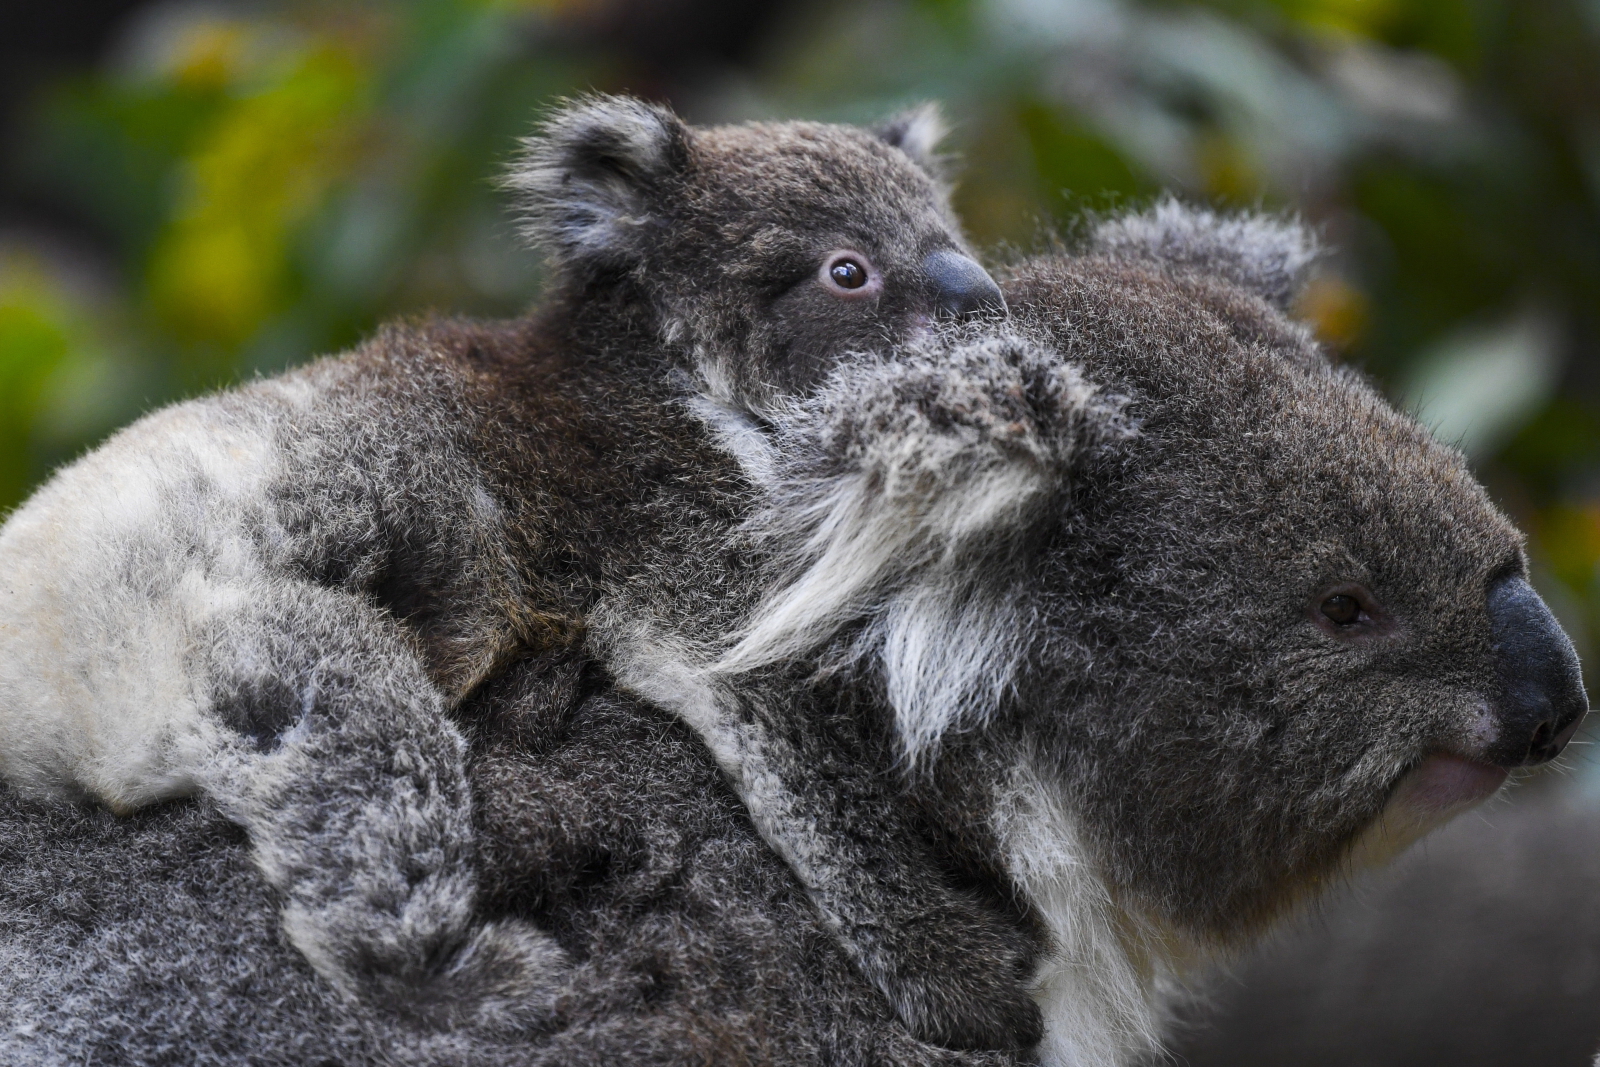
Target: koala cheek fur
1104,986
890,512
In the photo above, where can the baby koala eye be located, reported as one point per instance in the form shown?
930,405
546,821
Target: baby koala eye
1341,609
847,273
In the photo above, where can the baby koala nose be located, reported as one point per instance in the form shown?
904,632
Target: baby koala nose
1542,699
960,287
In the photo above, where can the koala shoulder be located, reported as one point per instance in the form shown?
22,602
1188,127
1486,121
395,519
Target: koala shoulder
1267,255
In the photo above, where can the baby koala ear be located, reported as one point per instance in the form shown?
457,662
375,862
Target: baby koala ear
1269,255
594,173
917,132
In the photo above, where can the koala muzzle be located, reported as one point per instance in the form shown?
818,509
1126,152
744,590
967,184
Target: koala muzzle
960,287
1542,699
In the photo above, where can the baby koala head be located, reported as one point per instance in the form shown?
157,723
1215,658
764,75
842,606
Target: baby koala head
761,252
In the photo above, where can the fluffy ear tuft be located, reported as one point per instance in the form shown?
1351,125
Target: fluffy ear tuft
1270,256
594,173
917,132
894,499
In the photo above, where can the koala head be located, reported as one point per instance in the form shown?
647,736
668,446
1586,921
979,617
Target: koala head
1252,623
761,252
1286,626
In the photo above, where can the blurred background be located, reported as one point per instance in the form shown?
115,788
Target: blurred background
191,193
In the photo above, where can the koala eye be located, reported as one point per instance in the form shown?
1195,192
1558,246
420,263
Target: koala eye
1342,609
848,273
1348,611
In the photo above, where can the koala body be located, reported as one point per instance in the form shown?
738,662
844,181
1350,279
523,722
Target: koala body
711,252
1049,657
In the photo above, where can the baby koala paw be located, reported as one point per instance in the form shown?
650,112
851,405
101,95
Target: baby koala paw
957,976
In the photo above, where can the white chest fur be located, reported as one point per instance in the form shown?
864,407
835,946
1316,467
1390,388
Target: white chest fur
1101,987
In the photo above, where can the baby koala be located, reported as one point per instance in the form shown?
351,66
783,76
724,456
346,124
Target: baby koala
385,490
364,541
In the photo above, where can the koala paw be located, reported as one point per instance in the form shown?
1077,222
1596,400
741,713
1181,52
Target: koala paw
957,977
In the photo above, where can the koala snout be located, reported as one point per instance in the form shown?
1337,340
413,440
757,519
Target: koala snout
1542,699
960,287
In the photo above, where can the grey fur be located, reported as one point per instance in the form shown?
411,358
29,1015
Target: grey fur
1262,254
715,234
917,132
371,760
1143,488
1164,580
586,179
152,939
887,488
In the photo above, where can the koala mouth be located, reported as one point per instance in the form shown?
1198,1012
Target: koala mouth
1444,785
1429,795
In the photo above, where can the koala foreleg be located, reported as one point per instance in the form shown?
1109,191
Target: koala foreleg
340,762
955,971
154,643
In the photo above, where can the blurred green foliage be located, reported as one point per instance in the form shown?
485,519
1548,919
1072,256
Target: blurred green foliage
270,182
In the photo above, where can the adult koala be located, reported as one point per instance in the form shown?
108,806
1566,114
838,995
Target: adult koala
1158,668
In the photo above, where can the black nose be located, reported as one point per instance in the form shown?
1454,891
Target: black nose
1541,684
960,287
